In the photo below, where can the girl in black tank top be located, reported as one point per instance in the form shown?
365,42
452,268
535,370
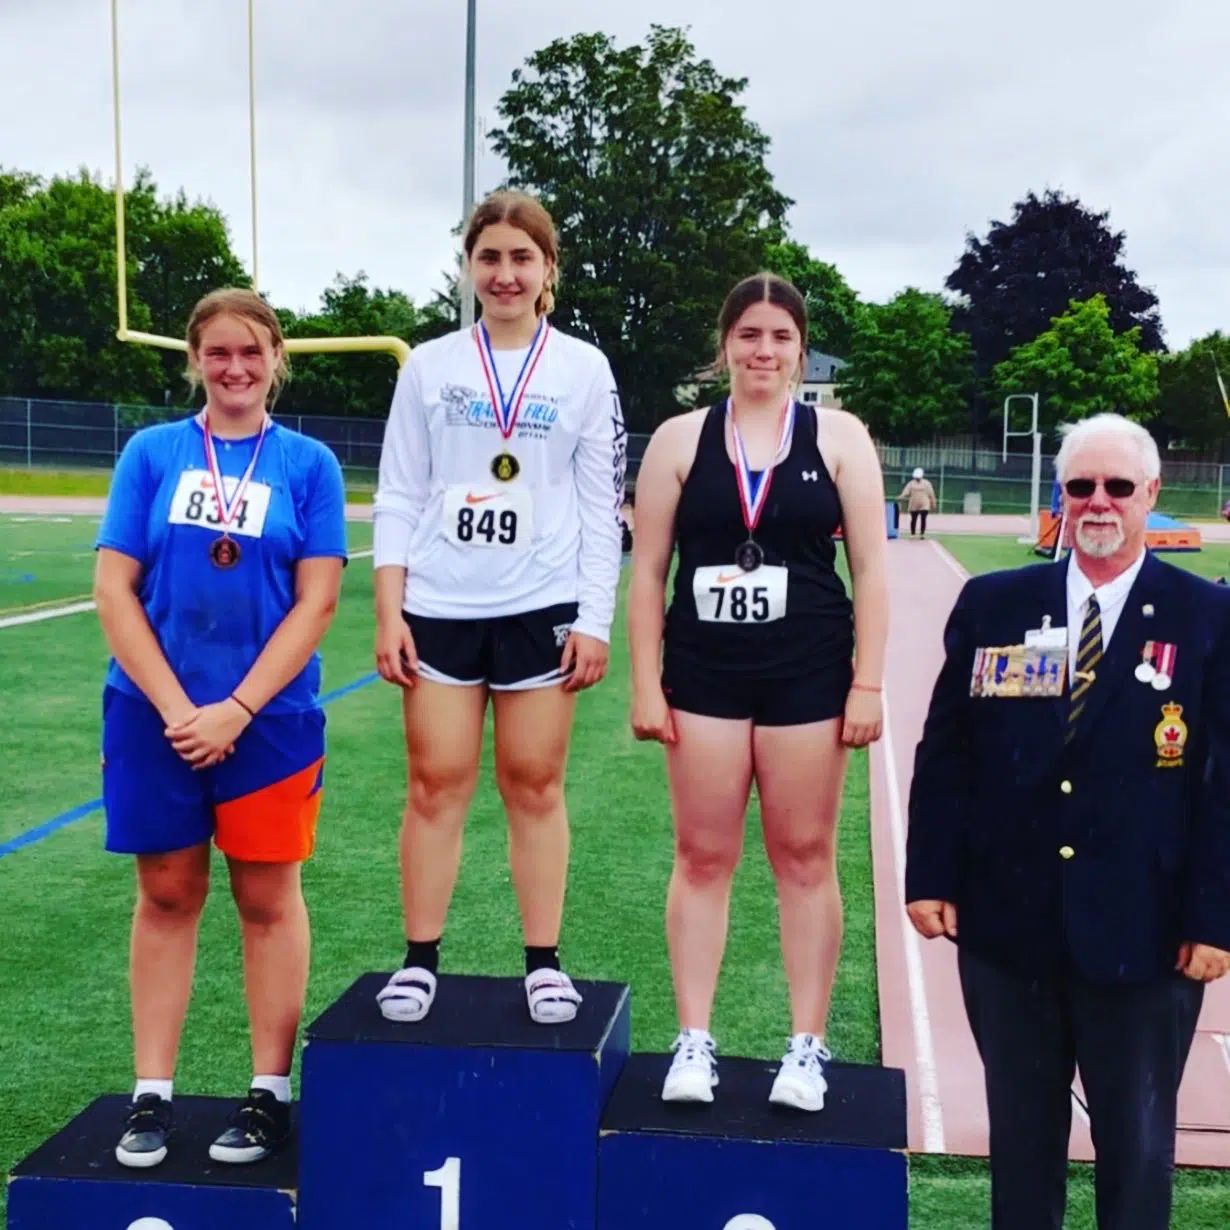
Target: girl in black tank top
801,513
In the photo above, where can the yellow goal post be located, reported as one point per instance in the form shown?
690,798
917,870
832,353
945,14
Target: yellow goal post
300,345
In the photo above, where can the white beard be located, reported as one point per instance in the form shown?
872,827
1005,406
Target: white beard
1096,547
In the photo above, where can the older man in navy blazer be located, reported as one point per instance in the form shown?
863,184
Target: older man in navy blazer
1070,831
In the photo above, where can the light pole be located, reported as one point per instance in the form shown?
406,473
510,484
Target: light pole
464,289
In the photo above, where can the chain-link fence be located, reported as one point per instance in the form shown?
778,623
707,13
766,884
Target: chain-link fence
971,479
966,478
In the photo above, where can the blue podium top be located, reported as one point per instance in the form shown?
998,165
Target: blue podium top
865,1105
473,1011
85,1149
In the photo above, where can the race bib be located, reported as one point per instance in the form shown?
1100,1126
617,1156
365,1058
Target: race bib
478,517
195,503
728,595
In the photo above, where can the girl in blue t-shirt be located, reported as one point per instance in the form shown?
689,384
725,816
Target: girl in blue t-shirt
219,566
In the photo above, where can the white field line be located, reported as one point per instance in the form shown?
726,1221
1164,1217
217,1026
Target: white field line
931,1108
78,608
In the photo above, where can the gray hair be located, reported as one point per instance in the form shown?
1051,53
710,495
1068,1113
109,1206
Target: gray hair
1077,434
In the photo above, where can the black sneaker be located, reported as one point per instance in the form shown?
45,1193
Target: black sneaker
259,1127
146,1129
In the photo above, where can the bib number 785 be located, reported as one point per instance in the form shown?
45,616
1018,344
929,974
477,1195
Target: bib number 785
730,596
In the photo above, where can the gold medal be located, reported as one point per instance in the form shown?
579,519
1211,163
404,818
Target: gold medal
505,467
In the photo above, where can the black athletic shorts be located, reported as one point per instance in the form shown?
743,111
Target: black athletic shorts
816,693
508,653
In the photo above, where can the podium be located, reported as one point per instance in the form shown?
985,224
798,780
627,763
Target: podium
73,1182
478,1119
474,1118
741,1163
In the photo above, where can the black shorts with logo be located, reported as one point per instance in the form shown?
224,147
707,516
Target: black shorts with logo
508,653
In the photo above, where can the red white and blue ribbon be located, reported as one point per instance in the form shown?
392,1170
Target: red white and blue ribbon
227,509
507,409
754,492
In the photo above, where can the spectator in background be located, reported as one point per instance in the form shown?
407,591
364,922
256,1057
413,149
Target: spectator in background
919,495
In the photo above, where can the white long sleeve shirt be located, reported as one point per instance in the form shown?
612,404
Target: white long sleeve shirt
462,535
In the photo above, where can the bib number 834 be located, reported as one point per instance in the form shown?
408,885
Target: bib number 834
487,525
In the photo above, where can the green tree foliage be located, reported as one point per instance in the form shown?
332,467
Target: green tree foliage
657,181
1025,272
909,372
832,306
1081,366
1190,407
58,307
350,384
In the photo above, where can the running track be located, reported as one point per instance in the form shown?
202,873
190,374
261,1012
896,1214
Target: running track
923,1024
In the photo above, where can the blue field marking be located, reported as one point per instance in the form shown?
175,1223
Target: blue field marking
36,834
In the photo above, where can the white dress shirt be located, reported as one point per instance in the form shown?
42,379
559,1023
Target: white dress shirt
1111,597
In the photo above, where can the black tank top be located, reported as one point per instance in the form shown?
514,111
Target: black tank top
802,512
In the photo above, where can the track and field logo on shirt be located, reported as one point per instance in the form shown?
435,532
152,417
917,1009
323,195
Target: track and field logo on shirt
466,407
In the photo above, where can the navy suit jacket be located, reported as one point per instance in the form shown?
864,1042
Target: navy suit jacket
1098,856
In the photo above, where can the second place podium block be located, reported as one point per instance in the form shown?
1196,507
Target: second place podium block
475,1117
743,1164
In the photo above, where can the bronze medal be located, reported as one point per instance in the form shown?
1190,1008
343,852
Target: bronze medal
224,552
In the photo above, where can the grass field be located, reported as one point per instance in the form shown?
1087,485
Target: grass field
978,553
65,906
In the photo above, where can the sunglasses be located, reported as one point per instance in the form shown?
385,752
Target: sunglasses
1083,488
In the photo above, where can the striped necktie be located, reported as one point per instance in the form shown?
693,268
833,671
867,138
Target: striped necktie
1088,655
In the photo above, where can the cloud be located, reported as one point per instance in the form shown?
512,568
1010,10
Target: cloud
895,127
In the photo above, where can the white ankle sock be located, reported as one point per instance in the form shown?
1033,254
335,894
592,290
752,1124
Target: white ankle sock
279,1086
161,1088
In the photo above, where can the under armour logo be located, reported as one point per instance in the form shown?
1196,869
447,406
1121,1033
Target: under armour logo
562,632
811,476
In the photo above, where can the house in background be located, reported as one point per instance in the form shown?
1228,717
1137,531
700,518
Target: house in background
819,387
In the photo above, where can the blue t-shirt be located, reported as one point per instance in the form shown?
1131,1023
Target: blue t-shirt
212,622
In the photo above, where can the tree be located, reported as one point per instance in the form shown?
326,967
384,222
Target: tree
832,307
657,181
1027,271
1081,366
1190,406
183,251
58,308
349,384
909,372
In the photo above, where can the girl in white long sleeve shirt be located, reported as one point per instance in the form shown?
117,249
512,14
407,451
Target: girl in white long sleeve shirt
497,555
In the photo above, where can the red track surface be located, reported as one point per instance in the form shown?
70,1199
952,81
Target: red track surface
923,1025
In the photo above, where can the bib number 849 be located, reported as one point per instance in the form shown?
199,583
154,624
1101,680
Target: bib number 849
487,526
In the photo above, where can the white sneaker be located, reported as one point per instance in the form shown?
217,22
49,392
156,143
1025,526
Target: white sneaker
693,1072
800,1081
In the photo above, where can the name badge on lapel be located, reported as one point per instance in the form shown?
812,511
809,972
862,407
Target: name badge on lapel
1046,637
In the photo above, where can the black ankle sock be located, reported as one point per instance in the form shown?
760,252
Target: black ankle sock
423,953
541,958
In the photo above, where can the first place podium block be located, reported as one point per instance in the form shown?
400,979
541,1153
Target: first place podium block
73,1182
743,1164
474,1119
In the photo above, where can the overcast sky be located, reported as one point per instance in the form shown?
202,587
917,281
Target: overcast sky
896,126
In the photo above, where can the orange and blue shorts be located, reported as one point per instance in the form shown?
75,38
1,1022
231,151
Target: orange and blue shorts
259,805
